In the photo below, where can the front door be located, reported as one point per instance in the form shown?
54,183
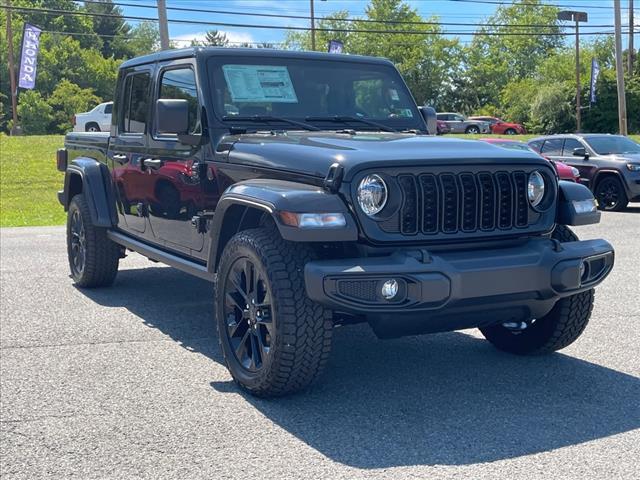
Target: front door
177,197
583,164
128,147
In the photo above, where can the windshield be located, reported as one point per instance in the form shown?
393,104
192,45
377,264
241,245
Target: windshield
614,144
325,93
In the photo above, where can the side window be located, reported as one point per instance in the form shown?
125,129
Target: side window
180,83
135,103
458,118
552,147
108,108
536,145
569,145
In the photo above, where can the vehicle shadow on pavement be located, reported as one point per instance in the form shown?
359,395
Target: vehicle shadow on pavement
448,399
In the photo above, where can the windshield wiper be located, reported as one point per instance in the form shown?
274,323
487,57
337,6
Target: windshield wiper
268,118
346,119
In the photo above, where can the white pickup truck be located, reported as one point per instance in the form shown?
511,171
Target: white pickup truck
96,120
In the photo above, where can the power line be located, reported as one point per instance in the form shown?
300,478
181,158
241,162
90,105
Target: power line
330,18
296,28
531,4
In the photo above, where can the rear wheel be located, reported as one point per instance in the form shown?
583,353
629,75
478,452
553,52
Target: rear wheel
92,127
610,194
556,330
274,340
93,258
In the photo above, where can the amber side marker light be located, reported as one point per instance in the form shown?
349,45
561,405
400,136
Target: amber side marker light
313,220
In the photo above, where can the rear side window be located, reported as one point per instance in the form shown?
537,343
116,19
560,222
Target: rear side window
180,83
108,108
569,145
135,109
552,147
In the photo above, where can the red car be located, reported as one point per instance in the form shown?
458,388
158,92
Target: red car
499,126
565,172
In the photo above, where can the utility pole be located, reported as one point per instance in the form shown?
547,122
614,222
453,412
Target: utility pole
577,17
622,103
631,32
313,26
15,129
164,26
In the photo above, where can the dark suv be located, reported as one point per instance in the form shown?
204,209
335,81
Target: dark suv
609,164
306,188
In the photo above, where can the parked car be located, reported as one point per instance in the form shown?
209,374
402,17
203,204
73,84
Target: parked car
96,120
564,171
500,127
609,164
322,202
442,127
459,124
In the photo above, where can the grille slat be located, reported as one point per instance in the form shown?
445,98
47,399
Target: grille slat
463,202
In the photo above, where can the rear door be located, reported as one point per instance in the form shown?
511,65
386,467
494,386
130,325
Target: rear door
177,195
128,147
105,117
552,148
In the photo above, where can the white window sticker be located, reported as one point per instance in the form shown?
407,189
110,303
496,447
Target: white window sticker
259,83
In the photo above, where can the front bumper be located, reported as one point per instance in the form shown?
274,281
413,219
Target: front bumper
462,289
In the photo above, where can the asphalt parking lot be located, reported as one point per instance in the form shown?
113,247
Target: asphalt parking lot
127,382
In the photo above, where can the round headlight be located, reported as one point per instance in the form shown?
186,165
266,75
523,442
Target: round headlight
372,194
535,188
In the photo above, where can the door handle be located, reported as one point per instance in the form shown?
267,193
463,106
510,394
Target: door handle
120,158
154,163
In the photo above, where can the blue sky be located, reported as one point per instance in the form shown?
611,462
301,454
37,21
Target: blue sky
447,10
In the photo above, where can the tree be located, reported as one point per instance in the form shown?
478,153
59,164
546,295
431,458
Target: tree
144,38
113,28
213,38
552,111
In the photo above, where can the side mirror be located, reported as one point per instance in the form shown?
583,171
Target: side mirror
429,115
580,152
172,116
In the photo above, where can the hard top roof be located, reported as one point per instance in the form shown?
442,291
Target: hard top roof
203,52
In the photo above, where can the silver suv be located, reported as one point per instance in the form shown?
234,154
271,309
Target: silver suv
609,164
459,124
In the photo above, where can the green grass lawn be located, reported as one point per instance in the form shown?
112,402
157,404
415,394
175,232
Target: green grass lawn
29,179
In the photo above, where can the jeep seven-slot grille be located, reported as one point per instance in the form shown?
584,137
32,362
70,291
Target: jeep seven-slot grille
461,202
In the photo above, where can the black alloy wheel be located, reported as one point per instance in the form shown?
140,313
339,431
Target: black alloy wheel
610,194
78,240
247,311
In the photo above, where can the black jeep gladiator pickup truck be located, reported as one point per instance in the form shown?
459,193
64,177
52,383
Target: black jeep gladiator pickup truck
306,188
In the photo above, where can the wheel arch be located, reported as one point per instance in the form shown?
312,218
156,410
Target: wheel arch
258,203
91,178
604,173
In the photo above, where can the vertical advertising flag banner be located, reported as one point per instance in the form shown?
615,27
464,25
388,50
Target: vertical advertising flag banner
29,57
595,71
335,46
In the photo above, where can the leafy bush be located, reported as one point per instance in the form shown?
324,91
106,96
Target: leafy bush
552,111
35,113
68,99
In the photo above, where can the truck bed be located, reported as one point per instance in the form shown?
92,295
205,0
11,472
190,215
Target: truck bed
87,144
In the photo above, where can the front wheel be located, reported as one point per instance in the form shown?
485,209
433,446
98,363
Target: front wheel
610,194
510,131
274,340
556,330
472,130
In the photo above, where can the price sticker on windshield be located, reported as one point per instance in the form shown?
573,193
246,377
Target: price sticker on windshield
259,83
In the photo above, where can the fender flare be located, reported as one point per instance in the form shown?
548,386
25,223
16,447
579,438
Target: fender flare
275,196
96,187
568,193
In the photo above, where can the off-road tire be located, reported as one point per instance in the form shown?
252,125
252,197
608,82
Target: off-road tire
101,254
614,183
303,328
556,330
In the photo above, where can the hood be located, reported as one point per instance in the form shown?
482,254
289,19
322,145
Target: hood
312,153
